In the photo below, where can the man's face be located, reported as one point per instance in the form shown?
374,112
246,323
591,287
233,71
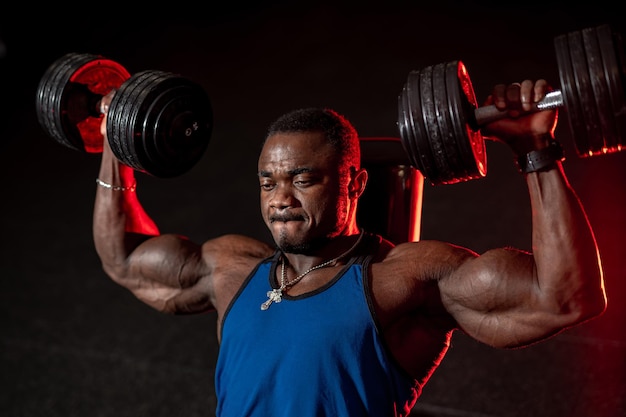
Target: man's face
303,200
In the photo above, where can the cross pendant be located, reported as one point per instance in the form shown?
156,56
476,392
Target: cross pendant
273,296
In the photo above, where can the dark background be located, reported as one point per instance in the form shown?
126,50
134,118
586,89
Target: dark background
72,343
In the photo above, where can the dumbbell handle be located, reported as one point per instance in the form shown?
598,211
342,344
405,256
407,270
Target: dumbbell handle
488,114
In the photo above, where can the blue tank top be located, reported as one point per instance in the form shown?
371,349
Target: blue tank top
313,355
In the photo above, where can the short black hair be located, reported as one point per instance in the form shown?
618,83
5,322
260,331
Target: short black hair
336,128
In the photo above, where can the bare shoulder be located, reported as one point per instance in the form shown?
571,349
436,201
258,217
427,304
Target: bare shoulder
234,252
405,278
237,245
424,260
230,259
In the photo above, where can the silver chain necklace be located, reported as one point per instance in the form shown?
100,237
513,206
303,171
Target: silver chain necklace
275,295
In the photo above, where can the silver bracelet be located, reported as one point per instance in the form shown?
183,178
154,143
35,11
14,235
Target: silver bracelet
115,187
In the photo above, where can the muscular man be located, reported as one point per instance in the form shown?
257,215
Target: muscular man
336,321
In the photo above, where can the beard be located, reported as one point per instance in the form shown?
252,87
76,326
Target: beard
303,247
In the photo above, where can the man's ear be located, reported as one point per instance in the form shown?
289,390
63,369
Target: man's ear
358,181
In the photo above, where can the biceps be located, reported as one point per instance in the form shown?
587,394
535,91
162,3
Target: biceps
162,271
492,292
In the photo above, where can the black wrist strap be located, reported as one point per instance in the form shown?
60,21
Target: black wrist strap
541,160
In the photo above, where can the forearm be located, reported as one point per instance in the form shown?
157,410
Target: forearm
160,270
568,269
119,221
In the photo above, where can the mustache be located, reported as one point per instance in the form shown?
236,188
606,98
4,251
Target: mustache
286,218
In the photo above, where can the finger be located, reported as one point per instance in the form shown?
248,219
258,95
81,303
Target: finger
103,126
513,103
513,93
541,87
104,106
528,95
105,101
499,96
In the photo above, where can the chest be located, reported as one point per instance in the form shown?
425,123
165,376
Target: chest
338,303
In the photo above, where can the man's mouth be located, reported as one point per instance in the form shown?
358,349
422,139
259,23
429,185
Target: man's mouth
284,219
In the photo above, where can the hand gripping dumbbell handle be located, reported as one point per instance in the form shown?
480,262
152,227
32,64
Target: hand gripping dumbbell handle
488,114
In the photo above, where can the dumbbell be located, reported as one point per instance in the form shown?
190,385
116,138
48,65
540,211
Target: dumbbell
439,120
158,122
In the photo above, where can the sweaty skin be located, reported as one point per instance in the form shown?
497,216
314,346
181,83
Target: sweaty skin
422,291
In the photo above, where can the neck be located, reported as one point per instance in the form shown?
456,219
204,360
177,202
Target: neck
309,263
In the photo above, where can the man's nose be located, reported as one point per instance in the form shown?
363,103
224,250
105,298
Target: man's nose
282,196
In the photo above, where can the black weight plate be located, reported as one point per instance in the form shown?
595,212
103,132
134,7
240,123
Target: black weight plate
570,95
125,136
462,104
420,134
585,93
149,86
612,51
179,122
49,98
128,108
406,132
67,97
405,129
412,86
600,89
166,126
432,126
448,138
121,121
